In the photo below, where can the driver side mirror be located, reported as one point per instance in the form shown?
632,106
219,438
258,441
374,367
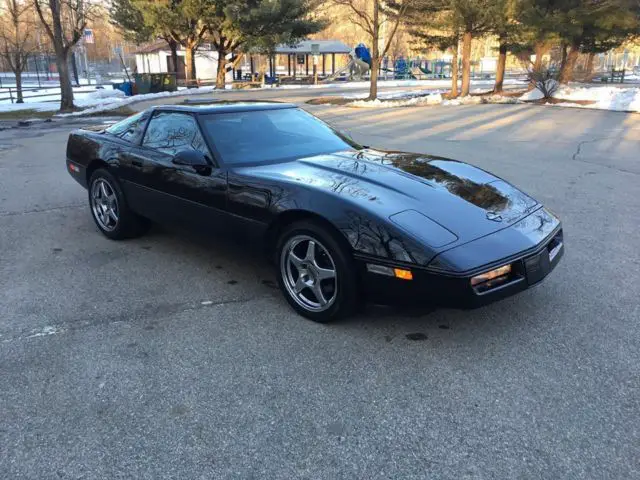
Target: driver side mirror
193,158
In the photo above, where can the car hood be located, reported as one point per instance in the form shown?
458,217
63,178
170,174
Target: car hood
463,199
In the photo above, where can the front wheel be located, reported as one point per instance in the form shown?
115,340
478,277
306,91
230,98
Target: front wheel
316,272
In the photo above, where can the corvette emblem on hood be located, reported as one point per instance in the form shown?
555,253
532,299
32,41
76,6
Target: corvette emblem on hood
494,217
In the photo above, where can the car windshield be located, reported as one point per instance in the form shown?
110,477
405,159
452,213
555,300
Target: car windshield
268,135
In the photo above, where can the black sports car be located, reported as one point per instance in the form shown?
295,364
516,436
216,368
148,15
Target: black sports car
340,219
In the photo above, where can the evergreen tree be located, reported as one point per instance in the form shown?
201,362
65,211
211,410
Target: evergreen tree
259,25
454,19
509,31
128,16
580,26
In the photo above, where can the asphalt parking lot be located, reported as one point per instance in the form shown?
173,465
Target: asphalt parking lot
174,356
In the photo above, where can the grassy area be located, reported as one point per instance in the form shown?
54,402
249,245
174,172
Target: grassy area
214,101
25,114
331,101
18,115
123,111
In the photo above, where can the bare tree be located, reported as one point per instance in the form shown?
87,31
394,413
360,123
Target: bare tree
374,16
64,21
16,42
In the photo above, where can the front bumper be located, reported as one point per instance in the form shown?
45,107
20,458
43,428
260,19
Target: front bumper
455,290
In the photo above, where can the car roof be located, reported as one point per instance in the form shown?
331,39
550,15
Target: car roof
209,107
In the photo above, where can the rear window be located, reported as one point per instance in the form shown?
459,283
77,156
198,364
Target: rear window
268,135
131,128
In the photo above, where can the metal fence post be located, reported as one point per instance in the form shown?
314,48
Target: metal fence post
10,95
37,71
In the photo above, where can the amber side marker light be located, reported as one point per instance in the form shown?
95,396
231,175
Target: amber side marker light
485,277
403,274
390,272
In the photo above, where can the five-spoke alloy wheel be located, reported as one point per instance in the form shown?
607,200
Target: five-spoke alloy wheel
316,272
104,204
110,210
309,273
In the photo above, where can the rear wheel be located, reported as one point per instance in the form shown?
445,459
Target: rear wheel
315,272
110,210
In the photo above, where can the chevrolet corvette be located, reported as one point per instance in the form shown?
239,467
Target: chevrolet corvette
340,220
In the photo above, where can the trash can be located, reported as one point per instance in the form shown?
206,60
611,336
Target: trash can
155,82
126,87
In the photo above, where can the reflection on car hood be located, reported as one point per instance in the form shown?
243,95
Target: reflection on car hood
465,199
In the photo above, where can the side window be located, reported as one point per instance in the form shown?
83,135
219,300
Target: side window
130,129
171,132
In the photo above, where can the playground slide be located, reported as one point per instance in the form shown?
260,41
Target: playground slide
362,66
355,65
418,73
338,73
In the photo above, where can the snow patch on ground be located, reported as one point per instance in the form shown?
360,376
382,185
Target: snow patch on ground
417,98
444,82
531,95
431,99
604,98
467,100
101,100
113,103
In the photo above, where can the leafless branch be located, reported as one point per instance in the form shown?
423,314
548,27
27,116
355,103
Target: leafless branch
362,19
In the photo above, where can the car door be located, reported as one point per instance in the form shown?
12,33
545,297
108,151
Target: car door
128,154
170,193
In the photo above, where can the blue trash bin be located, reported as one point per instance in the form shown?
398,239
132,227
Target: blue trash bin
126,87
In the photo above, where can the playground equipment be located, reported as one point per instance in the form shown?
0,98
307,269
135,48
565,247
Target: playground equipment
358,66
401,68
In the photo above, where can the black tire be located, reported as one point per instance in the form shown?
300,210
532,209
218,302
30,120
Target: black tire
333,253
127,223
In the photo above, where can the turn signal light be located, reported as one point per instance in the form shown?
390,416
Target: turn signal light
485,277
403,274
391,272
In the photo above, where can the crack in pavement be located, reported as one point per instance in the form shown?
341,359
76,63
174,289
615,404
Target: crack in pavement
580,145
161,311
41,210
578,152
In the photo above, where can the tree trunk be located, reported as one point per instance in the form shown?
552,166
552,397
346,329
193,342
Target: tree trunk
193,64
502,62
538,61
375,54
454,72
190,61
466,63
588,69
66,91
373,86
566,72
74,66
563,59
18,74
222,67
173,47
539,49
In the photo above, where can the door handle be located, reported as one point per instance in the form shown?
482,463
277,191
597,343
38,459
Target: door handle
136,163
